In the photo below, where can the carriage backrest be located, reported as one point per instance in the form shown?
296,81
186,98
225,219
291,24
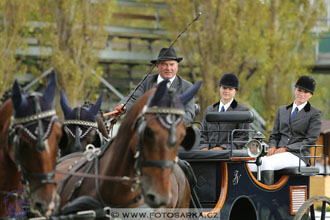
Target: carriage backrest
230,117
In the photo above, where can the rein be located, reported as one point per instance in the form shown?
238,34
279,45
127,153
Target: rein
100,177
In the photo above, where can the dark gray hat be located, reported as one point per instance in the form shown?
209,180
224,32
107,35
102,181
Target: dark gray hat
167,54
229,80
306,83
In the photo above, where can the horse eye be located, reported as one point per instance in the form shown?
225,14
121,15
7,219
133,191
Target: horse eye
148,134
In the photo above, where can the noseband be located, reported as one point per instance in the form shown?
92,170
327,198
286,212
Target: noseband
37,136
169,118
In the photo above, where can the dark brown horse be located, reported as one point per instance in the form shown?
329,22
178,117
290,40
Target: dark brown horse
145,149
82,126
29,134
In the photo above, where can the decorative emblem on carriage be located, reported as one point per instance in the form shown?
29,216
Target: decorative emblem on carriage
236,177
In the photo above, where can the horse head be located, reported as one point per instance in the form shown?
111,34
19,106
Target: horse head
34,133
160,131
80,126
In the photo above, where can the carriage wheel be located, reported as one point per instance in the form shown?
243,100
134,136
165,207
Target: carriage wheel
308,206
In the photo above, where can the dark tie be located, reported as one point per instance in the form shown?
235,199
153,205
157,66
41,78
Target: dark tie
222,109
294,113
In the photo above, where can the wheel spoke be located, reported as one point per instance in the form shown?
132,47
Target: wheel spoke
308,207
312,212
324,210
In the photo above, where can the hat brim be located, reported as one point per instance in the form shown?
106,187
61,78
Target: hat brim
178,59
235,87
304,88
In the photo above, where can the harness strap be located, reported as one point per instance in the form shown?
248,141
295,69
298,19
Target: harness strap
79,183
133,201
106,178
97,182
88,214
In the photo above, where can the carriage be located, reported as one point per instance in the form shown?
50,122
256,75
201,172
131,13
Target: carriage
220,182
223,185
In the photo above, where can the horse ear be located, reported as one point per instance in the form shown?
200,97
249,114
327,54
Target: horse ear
50,91
18,98
160,93
96,107
65,105
189,94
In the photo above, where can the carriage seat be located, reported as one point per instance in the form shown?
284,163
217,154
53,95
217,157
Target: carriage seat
306,171
200,155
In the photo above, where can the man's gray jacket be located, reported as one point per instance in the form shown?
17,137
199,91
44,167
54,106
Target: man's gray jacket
180,84
303,129
222,139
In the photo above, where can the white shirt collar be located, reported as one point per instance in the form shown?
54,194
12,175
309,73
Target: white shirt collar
160,79
226,106
299,107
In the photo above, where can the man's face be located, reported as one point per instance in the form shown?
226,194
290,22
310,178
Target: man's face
227,94
301,95
167,68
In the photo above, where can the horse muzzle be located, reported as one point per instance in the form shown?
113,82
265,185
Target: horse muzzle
44,207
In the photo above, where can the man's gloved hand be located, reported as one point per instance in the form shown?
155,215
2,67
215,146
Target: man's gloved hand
120,110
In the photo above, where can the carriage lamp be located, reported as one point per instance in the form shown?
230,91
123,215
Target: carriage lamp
256,147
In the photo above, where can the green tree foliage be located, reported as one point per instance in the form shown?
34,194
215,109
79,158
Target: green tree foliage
14,15
267,43
74,30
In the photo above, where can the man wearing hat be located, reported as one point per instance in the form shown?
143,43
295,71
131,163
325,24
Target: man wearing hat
295,125
167,65
228,87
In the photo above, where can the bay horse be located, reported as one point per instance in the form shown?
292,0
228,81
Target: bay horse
82,126
29,134
140,164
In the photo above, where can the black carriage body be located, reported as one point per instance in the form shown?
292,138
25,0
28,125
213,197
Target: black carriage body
226,187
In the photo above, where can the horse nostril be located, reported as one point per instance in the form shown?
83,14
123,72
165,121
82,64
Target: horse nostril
156,202
151,197
38,206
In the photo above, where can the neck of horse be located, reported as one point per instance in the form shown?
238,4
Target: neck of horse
9,175
119,159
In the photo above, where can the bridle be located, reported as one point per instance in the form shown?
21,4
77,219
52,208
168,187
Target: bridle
168,118
23,125
78,134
